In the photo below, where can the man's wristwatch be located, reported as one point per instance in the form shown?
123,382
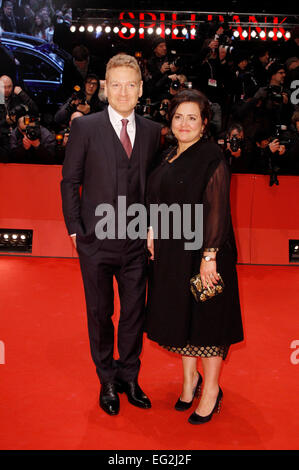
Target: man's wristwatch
209,258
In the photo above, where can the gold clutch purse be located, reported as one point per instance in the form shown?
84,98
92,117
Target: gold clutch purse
202,294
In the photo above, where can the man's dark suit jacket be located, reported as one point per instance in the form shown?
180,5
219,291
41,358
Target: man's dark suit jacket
91,162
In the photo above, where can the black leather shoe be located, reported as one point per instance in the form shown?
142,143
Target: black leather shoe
109,400
184,405
134,393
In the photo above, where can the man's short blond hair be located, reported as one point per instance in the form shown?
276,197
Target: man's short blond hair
123,60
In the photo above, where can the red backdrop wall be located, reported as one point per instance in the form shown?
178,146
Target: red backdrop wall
264,217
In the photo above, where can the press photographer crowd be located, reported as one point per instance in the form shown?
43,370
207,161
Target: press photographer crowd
253,93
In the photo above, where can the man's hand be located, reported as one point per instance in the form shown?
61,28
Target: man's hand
26,142
17,90
150,242
165,67
83,108
274,146
73,237
35,143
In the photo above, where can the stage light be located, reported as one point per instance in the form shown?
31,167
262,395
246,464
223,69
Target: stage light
262,34
271,34
167,31
90,29
288,34
124,30
116,29
158,31
107,29
99,29
132,30
81,29
253,34
244,34
150,30
279,34
15,240
294,251
193,31
73,29
236,34
184,32
141,30
175,31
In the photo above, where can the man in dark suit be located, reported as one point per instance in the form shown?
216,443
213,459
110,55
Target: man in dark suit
109,155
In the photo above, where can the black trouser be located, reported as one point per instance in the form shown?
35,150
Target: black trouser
129,269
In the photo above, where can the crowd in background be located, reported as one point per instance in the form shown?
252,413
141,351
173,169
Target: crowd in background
253,93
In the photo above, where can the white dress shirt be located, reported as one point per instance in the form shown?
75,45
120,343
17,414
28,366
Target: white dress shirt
115,119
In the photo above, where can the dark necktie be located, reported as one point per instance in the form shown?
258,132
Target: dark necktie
124,137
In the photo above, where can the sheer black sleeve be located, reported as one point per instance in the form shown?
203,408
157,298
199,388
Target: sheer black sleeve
216,208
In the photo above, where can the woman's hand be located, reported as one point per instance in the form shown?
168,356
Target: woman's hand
150,242
208,272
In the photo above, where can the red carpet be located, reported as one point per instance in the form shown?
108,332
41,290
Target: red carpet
49,389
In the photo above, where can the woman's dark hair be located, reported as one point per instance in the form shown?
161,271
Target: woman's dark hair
192,96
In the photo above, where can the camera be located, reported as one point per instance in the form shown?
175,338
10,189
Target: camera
78,94
274,94
282,135
60,136
235,143
32,130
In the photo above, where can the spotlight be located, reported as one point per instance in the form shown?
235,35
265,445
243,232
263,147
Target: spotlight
141,30
184,32
16,240
158,31
132,30
193,31
150,30
81,29
124,30
116,29
271,34
107,29
99,29
90,28
73,29
262,34
244,34
288,34
294,251
279,34
167,31
236,34
253,34
175,31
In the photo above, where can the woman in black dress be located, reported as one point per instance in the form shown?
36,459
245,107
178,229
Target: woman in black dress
194,172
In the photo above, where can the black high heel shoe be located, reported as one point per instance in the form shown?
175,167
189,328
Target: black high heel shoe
184,405
197,419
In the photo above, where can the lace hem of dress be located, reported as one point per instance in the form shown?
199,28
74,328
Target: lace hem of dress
199,351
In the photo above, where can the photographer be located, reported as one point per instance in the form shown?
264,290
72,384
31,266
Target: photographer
62,138
84,100
30,142
235,152
268,156
161,66
14,96
213,69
